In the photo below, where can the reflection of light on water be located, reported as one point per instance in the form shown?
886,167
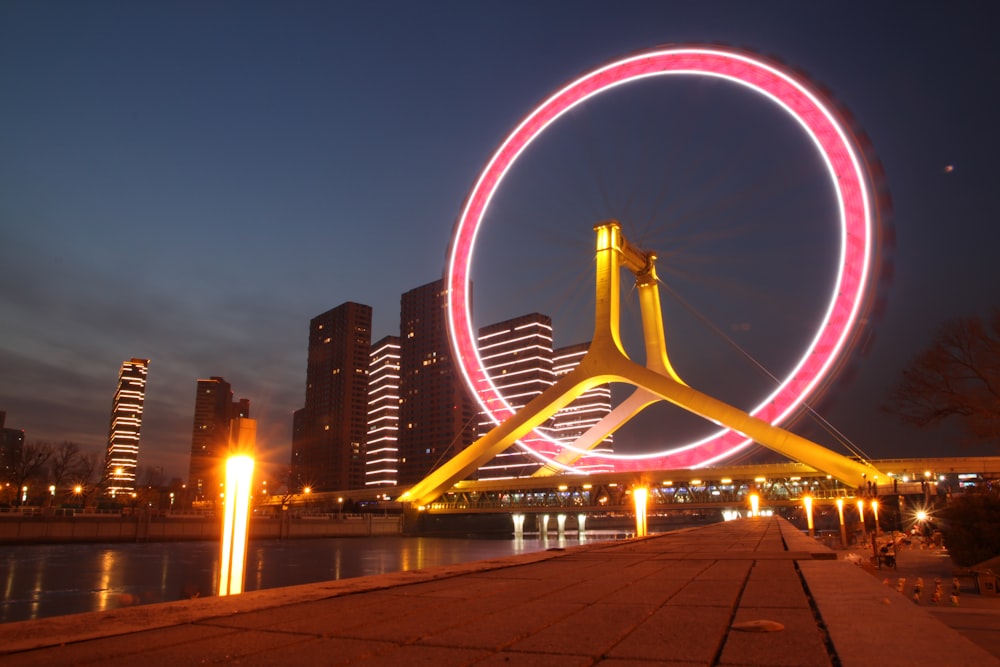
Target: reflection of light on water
36,599
8,587
104,589
258,569
164,571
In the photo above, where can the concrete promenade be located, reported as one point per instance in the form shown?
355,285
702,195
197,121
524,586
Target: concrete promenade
749,592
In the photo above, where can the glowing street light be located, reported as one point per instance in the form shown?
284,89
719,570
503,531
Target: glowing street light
861,511
236,519
843,529
754,504
639,497
808,502
239,470
875,513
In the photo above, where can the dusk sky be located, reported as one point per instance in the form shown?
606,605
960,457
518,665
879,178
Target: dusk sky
192,182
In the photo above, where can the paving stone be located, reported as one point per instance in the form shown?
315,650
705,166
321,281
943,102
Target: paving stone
678,634
593,630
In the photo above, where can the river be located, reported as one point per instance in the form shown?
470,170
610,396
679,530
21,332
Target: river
55,579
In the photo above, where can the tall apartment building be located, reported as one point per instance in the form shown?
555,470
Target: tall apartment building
214,411
328,433
576,418
517,354
126,424
382,452
11,447
437,417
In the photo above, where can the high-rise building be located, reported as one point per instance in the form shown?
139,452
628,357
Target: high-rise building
328,433
517,354
589,408
11,447
437,417
126,425
214,411
382,453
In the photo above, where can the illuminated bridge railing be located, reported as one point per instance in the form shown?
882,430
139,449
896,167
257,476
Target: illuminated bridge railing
774,483
599,497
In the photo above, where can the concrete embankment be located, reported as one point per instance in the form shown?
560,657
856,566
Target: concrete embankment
150,527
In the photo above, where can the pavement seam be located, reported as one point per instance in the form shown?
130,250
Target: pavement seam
717,657
820,623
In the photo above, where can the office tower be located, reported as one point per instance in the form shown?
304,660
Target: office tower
126,424
589,408
328,433
382,454
214,411
517,354
11,447
437,417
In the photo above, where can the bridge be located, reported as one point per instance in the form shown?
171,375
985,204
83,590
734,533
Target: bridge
722,487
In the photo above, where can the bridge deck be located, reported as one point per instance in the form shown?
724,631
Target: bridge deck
677,598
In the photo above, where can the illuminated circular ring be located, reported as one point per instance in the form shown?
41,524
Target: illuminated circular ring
855,216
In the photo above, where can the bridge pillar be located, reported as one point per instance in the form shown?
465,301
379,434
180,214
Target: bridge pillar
561,523
581,520
518,526
543,530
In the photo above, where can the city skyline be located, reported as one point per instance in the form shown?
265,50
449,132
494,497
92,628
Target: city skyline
228,174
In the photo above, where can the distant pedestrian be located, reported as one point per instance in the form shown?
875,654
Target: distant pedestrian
918,589
936,597
956,588
901,584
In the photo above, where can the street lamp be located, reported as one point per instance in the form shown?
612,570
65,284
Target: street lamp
639,496
843,529
808,502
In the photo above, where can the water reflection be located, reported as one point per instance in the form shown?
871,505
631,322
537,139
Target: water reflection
52,580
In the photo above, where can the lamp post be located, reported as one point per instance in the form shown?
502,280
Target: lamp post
861,517
236,510
843,528
808,502
639,496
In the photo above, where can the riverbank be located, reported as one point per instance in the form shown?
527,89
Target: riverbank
170,527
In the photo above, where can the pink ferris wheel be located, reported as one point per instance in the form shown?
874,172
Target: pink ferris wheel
855,216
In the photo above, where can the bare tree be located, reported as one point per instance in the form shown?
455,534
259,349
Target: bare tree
29,464
86,468
957,376
62,464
